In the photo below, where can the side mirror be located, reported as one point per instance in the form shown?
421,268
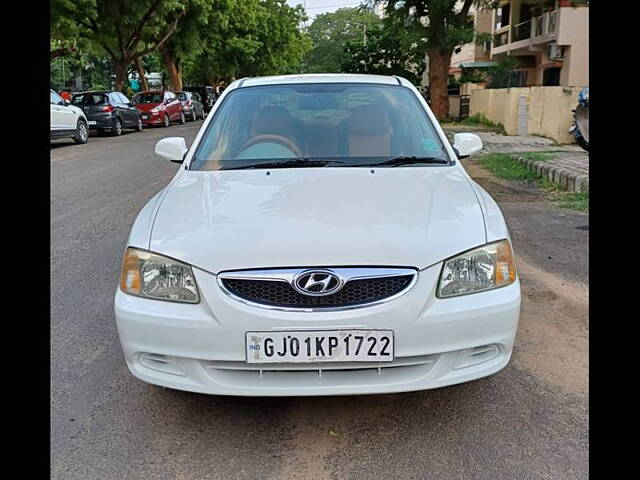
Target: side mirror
172,148
466,144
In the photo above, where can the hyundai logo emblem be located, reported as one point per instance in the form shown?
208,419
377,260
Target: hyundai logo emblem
317,283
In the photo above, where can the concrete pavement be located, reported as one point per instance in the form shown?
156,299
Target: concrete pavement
528,421
566,165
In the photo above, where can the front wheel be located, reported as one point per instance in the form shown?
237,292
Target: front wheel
139,125
166,120
582,142
183,119
82,133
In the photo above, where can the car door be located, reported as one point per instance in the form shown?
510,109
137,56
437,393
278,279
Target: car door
130,113
55,117
62,117
118,111
174,105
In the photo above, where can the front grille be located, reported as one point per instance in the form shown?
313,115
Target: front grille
281,294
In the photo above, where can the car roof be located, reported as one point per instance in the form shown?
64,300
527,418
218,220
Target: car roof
323,78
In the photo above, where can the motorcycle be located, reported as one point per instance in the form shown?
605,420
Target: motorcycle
580,127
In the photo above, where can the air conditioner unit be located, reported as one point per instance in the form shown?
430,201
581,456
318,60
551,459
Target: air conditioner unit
555,52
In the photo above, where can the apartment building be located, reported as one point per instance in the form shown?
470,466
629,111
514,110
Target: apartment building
476,55
549,38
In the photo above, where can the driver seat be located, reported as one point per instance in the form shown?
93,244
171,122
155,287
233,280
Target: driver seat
274,121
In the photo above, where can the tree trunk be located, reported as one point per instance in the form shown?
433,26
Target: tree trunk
173,69
439,63
144,85
121,73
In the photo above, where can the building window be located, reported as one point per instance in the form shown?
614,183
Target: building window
551,77
502,16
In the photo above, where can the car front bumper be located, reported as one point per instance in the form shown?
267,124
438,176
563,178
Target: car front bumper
152,118
201,348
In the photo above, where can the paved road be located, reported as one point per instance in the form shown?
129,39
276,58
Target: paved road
527,421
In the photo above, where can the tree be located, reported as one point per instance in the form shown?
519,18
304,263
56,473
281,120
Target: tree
391,49
444,26
126,30
255,37
330,33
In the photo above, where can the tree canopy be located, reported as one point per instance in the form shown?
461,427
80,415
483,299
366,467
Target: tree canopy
330,33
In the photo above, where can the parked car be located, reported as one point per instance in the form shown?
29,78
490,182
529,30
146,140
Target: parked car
322,238
67,121
191,105
207,95
159,108
108,111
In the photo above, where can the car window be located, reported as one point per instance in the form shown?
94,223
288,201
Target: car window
148,98
114,99
318,121
87,99
55,98
183,96
123,99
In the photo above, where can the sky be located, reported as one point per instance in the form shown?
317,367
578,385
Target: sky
316,7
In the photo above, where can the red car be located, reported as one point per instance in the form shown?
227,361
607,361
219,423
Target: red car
159,108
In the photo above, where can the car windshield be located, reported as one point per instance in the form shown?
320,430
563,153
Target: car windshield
148,98
90,99
314,125
182,96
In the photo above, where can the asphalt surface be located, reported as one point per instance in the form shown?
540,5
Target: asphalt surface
527,421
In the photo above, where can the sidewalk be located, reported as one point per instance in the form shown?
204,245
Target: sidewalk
567,166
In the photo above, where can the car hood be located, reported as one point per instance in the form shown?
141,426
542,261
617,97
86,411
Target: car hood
310,217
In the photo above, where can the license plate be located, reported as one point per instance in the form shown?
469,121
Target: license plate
91,122
305,346
144,117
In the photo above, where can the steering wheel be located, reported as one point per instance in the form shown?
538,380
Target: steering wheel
285,142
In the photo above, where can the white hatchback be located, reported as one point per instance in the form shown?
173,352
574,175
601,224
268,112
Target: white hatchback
66,120
320,238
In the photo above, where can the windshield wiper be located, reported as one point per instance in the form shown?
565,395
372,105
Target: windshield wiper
394,162
290,163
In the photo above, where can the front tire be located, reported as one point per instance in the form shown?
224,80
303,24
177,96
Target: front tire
139,126
116,131
183,119
82,133
167,122
582,142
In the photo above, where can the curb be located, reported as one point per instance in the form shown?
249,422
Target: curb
564,178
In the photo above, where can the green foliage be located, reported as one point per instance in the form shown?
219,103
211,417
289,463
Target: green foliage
502,165
443,23
391,49
330,33
471,75
500,74
250,38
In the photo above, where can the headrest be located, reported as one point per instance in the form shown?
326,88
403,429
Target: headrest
272,120
370,120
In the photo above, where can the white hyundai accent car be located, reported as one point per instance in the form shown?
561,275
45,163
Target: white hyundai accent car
320,238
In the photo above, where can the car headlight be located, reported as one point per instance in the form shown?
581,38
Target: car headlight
483,268
155,110
150,275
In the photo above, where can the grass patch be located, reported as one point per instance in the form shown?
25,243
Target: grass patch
480,119
537,156
504,166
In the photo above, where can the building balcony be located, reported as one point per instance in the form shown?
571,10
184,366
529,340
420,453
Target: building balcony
538,30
